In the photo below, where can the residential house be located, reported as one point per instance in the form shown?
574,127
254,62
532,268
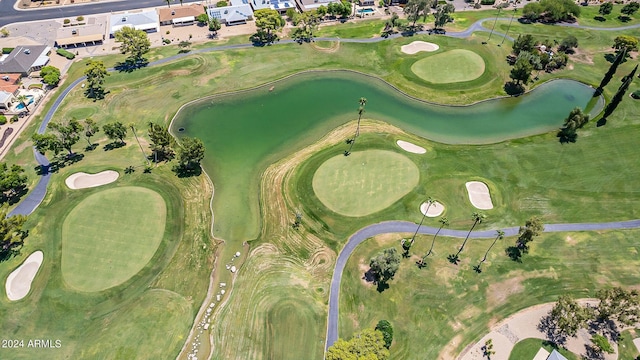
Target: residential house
148,21
9,89
180,15
366,2
24,60
556,356
281,6
92,33
308,5
239,12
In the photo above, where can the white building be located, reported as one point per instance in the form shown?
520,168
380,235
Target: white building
148,21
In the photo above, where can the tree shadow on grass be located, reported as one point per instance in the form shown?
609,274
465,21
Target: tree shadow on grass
58,163
599,18
513,89
114,145
10,252
186,171
371,277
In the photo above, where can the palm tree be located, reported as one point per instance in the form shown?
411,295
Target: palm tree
168,3
494,23
406,245
508,27
23,100
443,222
132,126
363,102
477,218
499,236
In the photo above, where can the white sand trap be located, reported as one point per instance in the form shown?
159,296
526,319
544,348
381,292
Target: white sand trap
412,148
417,46
436,209
479,195
19,281
83,180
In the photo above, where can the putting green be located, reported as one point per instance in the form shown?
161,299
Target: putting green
364,182
449,67
110,236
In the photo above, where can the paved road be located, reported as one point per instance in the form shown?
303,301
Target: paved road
408,227
8,14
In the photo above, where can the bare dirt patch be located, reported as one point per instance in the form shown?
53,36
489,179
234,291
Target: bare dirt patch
181,72
335,46
498,293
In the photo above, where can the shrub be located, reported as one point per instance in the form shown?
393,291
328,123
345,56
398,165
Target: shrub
168,32
14,118
66,21
65,53
636,94
221,3
7,50
80,18
166,41
487,2
3,119
35,86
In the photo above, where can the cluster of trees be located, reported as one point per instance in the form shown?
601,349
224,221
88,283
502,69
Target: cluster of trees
370,344
526,57
13,183
12,235
551,11
96,74
212,23
268,22
626,11
64,135
135,43
526,234
50,75
421,9
576,120
616,306
306,23
383,267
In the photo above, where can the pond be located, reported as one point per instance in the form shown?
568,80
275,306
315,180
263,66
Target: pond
246,131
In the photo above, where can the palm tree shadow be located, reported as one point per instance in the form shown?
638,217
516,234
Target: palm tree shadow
454,259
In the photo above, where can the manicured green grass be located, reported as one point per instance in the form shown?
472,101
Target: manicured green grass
364,182
125,223
360,29
589,16
451,66
528,348
627,350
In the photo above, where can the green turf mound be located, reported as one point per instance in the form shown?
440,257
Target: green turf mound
450,67
110,236
364,182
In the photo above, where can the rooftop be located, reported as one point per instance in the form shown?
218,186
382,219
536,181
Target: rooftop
144,20
177,12
22,58
77,34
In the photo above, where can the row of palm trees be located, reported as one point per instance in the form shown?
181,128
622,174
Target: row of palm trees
453,258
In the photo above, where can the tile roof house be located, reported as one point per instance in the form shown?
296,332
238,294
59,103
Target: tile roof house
93,33
145,20
180,15
24,60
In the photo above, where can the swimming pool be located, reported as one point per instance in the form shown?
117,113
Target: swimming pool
366,11
21,106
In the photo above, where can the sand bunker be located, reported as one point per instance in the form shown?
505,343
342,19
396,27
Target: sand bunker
19,281
83,180
417,46
412,148
479,195
436,209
